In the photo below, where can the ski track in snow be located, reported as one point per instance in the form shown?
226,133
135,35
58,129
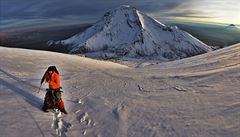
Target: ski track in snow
28,97
59,124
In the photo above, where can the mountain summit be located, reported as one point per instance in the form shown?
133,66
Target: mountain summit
127,32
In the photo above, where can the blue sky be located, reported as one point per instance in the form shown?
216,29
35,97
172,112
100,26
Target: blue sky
25,12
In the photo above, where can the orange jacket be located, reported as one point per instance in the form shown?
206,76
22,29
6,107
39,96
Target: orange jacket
53,80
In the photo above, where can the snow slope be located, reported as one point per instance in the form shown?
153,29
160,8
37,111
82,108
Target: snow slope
193,97
127,32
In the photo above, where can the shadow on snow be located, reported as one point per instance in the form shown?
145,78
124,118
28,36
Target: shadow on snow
28,97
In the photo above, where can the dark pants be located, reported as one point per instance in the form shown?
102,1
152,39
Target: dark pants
53,99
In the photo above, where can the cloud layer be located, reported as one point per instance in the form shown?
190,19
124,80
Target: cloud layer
91,10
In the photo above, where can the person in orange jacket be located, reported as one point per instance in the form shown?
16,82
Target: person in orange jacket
53,96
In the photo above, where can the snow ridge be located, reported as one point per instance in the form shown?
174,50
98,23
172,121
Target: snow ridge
127,32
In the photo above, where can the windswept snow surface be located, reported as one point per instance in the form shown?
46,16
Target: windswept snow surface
127,32
193,97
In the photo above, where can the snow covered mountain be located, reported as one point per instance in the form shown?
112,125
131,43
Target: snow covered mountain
127,32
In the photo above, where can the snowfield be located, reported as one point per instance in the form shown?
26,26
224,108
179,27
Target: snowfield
193,97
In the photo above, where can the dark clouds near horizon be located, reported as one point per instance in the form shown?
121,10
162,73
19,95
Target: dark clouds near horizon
91,10
30,9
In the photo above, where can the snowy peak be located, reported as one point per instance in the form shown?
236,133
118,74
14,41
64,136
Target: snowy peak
127,32
123,12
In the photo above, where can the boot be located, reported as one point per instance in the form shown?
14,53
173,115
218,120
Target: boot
63,111
44,109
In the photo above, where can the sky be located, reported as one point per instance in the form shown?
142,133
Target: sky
27,12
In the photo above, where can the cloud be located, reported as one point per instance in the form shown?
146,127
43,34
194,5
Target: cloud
61,8
190,14
89,10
